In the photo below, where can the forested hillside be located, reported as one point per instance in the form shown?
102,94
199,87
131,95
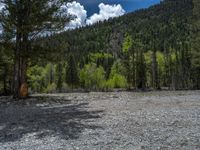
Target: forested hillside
152,48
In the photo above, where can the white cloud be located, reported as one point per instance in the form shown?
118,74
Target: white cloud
106,12
78,11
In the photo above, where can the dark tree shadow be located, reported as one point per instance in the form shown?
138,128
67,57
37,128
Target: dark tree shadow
46,116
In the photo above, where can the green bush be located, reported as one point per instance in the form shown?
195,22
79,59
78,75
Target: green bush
50,88
116,78
92,77
117,68
117,81
36,78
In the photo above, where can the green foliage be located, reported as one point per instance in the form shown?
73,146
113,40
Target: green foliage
59,76
5,70
116,81
92,77
161,29
25,20
126,51
51,88
140,70
162,40
72,78
36,78
148,61
41,78
128,43
102,59
147,57
161,63
95,57
117,68
116,78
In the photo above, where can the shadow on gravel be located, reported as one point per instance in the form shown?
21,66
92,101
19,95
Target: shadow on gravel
43,116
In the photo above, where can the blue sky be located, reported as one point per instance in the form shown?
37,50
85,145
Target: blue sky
128,5
88,12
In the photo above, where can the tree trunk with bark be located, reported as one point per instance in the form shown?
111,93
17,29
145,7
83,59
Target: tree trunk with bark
16,75
5,80
20,86
133,70
155,71
23,79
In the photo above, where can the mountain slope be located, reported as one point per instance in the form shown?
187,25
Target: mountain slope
166,22
164,50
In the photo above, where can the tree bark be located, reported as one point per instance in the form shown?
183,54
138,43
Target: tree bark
16,75
133,70
20,86
23,79
23,68
155,71
5,80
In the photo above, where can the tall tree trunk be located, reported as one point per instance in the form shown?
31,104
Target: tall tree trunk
51,75
133,70
59,76
20,86
155,71
16,74
5,79
23,68
23,79
176,74
140,70
166,70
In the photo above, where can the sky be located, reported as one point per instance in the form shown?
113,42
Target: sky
88,12
128,5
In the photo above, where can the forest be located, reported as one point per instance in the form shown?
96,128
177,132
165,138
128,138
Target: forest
150,49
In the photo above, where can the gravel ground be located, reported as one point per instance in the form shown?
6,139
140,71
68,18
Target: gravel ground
118,121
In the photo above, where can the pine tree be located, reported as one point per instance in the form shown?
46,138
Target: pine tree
59,76
155,70
25,19
140,70
127,50
72,72
195,45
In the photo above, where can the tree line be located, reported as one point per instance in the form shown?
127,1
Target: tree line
151,48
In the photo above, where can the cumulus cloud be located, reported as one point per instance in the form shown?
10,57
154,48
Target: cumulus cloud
106,12
80,14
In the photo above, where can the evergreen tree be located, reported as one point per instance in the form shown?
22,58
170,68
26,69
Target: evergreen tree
195,44
140,67
72,72
25,19
126,49
59,75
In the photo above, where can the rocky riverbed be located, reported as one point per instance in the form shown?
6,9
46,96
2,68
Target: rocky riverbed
117,120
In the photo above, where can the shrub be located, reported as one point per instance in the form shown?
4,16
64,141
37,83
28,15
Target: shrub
50,88
117,68
92,77
117,81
